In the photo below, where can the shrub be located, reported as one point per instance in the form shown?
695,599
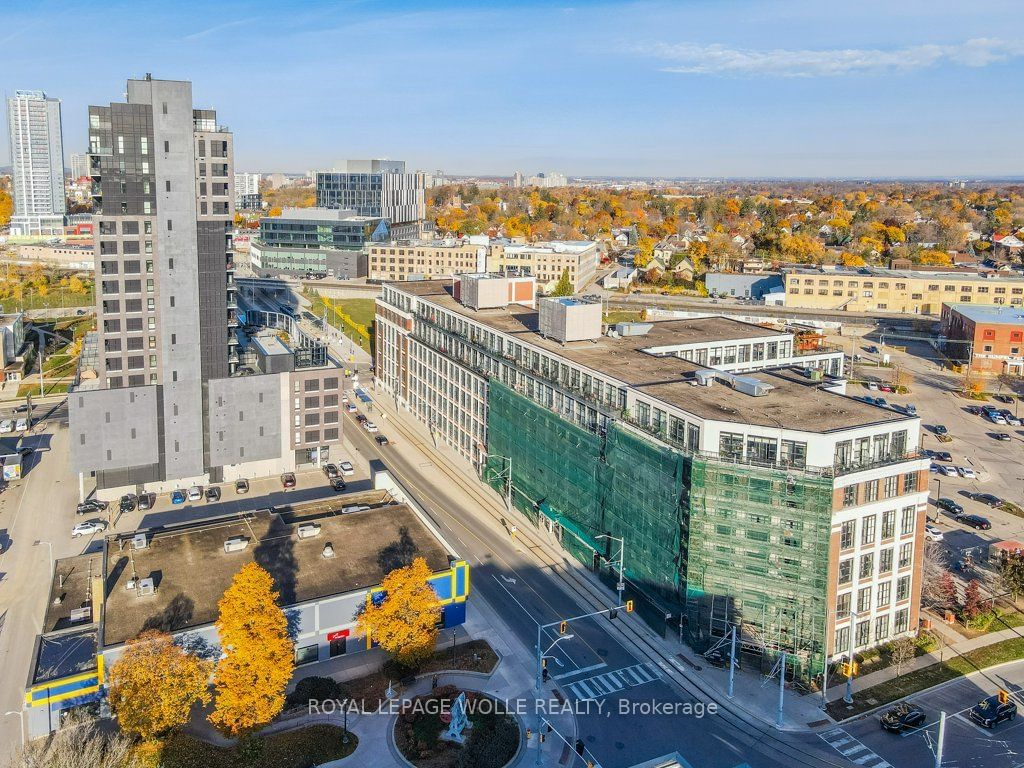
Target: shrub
313,688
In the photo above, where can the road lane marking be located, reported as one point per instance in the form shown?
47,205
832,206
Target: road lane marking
580,671
612,682
840,740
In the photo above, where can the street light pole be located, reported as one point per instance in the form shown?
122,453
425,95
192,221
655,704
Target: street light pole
541,656
620,586
848,697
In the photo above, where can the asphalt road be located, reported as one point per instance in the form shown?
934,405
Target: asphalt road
598,668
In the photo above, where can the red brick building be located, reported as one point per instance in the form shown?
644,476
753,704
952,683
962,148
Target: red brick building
988,338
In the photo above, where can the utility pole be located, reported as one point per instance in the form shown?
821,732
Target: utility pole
732,659
941,740
620,586
782,688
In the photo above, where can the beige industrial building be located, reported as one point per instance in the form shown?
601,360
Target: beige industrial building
888,290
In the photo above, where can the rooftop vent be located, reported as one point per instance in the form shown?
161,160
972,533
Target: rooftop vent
236,544
146,587
748,385
633,329
567,319
328,550
79,615
309,530
139,541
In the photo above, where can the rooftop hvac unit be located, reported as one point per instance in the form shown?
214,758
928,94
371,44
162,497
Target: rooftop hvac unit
80,614
139,541
131,584
236,544
147,587
815,374
354,508
309,530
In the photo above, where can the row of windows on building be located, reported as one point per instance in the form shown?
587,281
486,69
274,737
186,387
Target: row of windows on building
869,450
897,623
883,285
889,487
869,528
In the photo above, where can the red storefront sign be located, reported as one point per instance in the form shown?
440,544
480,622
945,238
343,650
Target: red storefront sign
338,635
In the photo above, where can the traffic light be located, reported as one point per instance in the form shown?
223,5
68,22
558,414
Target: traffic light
544,675
540,735
579,747
1004,697
563,627
849,670
629,606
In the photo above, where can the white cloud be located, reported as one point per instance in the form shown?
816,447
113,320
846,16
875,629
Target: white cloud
690,58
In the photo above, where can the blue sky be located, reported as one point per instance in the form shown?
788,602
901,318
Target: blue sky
685,88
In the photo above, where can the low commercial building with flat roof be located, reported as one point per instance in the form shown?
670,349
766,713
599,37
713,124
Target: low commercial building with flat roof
870,289
749,489
988,339
327,559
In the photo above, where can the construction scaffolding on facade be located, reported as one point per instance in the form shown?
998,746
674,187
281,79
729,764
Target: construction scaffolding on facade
757,558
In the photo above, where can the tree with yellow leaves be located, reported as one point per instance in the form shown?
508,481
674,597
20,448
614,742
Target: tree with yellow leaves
645,246
258,659
154,684
403,621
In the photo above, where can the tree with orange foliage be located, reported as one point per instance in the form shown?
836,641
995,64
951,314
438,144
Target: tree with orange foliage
404,621
258,659
275,211
154,684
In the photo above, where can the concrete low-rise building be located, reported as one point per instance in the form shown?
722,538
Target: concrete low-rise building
742,284
870,289
990,340
63,255
327,559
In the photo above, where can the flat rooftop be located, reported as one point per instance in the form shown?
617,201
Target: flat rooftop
869,272
796,402
1000,315
192,570
70,592
271,344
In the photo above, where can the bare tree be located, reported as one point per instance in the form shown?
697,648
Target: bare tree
902,650
78,744
933,567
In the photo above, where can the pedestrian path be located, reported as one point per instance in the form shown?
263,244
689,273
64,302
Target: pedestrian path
597,686
852,749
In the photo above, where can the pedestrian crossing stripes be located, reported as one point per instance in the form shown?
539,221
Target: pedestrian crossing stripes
852,750
611,682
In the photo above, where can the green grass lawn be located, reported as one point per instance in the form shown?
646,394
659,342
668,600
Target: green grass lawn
359,314
622,316
55,298
926,677
301,748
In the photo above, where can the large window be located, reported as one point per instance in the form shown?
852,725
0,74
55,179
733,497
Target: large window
867,530
794,454
762,450
846,570
731,445
846,534
907,520
888,524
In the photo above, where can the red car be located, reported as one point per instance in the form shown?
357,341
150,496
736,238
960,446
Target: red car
288,480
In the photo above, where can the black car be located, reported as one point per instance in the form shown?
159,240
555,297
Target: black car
338,485
942,456
91,506
950,506
1004,398
939,429
974,521
974,410
331,470
987,498
717,657
901,717
1002,437
988,712
147,501
128,503
381,440
213,493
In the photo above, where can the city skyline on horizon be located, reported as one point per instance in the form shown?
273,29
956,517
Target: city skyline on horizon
759,97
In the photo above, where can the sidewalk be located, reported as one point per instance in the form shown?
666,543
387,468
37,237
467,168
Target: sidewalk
753,697
925,660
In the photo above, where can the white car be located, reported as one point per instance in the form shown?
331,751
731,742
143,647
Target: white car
195,493
932,533
873,386
948,470
996,418
346,468
88,528
22,425
6,426
369,426
350,408
967,472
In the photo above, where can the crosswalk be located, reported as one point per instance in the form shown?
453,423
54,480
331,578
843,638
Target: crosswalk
852,750
611,682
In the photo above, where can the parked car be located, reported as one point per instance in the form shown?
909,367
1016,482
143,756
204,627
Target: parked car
128,502
910,409
178,497
974,410
887,388
241,486
872,350
967,473
369,426
88,528
331,470
904,715
717,657
881,403
288,480
6,426
147,501
939,429
936,468
950,506
873,386
338,485
22,425
351,408
381,440
361,418
1007,415
977,522
347,468
1003,437
212,493
1004,398
949,471
90,506
943,456
988,499
195,493
989,712
996,418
